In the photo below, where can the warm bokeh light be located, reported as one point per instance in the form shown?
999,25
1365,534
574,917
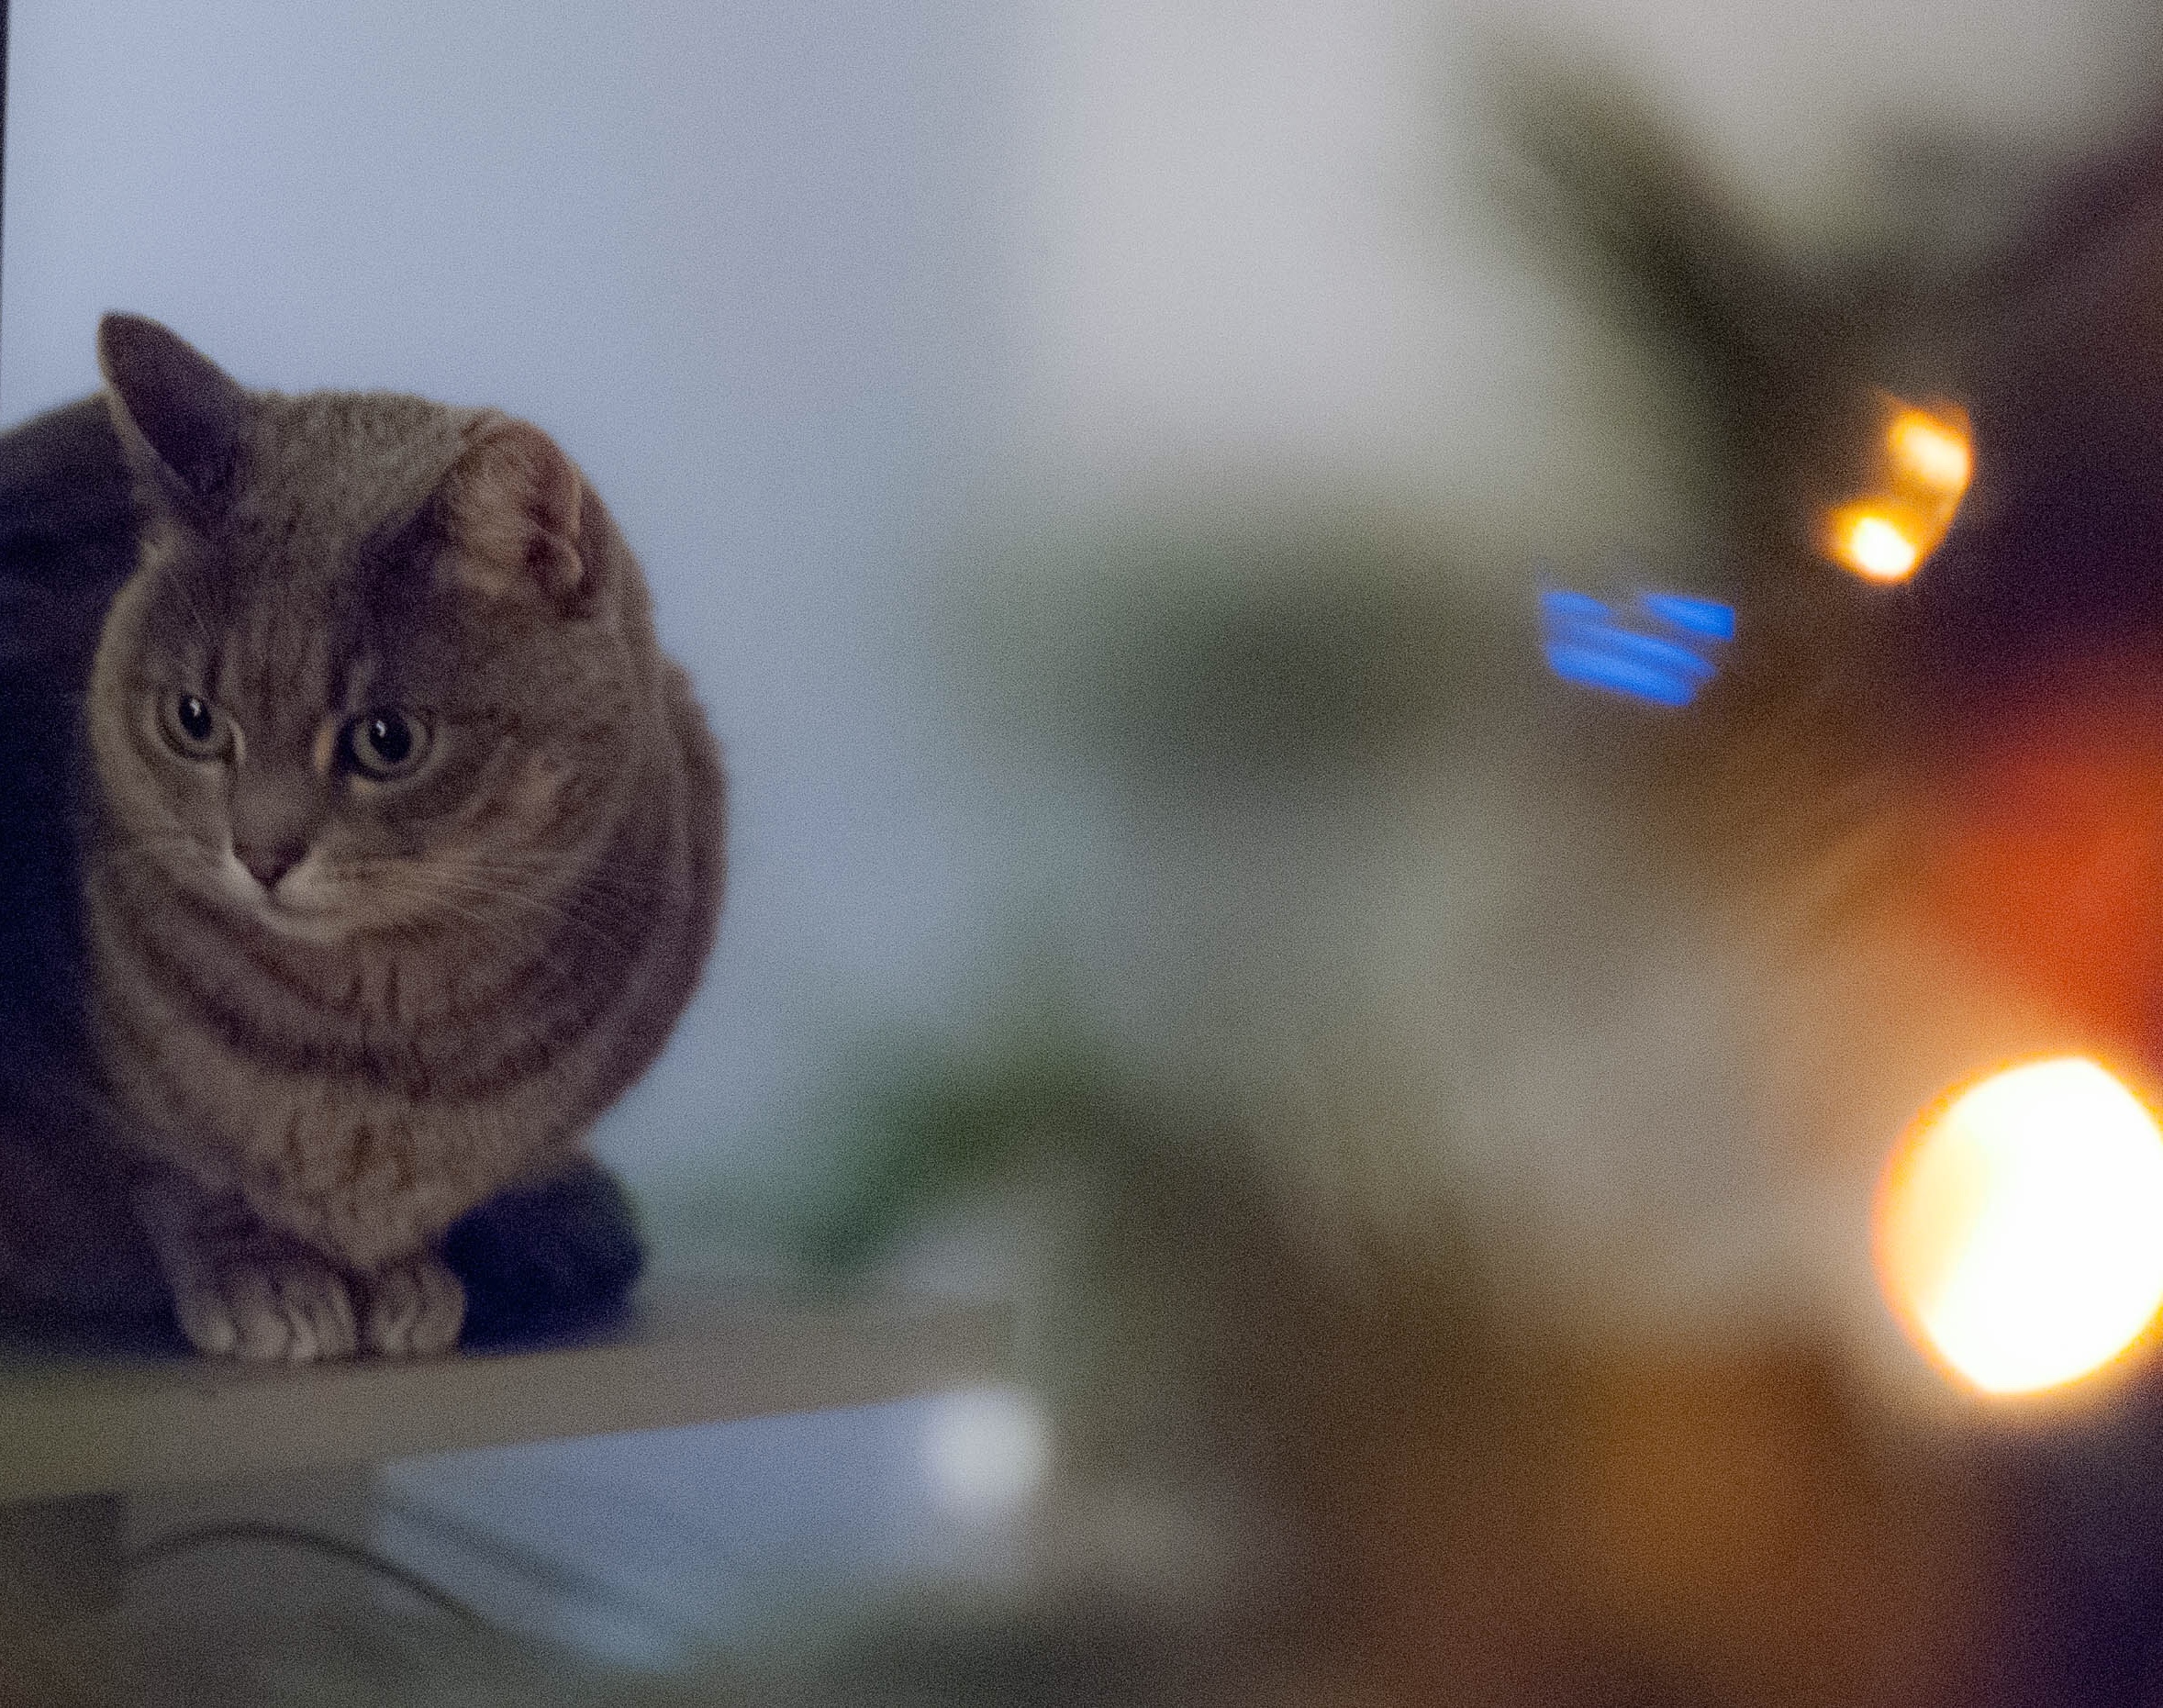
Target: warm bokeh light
1935,452
1872,545
2020,1229
1923,463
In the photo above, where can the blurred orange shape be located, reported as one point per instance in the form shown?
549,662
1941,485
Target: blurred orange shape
2019,1227
1873,545
1932,452
1922,463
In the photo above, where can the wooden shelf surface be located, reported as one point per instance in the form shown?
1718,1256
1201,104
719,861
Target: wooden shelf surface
74,1424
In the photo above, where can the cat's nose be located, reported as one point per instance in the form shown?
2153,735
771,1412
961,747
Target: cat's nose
269,862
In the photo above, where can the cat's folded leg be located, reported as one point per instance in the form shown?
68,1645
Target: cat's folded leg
241,1290
551,1256
414,1308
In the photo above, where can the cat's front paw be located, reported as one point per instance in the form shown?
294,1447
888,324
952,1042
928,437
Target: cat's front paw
413,1309
289,1308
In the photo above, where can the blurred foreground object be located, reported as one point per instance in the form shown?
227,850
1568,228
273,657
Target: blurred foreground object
2017,1229
1392,966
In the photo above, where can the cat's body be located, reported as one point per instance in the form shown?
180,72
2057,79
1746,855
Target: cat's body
365,847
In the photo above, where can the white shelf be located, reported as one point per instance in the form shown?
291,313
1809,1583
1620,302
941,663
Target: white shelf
115,1424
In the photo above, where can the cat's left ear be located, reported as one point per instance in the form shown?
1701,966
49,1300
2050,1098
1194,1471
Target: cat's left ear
180,417
512,503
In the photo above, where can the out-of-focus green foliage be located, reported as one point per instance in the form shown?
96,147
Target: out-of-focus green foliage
935,1130
1234,647
1282,646
1779,351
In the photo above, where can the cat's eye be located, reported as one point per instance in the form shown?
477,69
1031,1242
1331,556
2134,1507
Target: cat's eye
195,728
385,744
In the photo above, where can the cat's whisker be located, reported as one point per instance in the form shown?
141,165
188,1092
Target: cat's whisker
588,907
531,921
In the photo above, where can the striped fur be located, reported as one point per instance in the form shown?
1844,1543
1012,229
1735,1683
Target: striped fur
313,1077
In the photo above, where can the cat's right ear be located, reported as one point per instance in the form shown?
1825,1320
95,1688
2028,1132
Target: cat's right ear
180,417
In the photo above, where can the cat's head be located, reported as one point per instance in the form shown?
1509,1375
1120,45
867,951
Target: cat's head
383,663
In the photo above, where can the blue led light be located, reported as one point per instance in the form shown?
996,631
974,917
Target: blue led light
1559,605
1594,667
1586,644
1709,618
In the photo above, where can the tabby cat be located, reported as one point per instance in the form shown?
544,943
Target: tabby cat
362,847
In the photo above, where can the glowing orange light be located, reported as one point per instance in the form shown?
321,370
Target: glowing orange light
1873,545
2020,1229
1934,453
1926,461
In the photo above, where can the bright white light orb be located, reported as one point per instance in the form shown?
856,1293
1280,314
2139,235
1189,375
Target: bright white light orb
2020,1230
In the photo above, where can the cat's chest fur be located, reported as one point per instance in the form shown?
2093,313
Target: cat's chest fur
363,1094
